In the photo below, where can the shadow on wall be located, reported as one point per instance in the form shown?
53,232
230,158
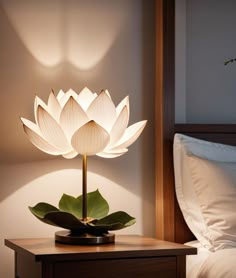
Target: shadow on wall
35,35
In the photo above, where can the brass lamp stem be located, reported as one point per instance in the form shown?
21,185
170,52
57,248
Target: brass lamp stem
84,190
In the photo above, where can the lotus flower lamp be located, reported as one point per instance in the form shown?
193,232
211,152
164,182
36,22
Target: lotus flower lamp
85,124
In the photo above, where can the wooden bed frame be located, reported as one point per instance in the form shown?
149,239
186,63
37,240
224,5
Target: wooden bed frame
170,224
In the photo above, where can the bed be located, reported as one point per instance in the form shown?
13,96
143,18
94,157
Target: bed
170,222
205,186
218,258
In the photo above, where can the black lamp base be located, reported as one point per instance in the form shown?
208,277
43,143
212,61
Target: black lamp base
66,237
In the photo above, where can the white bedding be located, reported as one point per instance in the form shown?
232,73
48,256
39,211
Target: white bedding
207,264
205,183
194,262
201,168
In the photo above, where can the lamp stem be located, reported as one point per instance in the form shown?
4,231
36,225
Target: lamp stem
84,190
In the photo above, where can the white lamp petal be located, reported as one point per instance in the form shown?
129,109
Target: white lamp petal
122,104
85,98
51,130
108,155
67,95
113,154
71,124
107,92
36,139
119,126
102,110
131,134
54,106
90,139
37,102
70,155
60,95
72,117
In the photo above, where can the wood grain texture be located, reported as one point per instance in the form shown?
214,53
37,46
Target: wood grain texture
129,257
164,118
124,246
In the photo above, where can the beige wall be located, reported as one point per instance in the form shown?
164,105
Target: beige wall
72,44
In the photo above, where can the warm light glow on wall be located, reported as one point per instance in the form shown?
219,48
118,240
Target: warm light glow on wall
71,31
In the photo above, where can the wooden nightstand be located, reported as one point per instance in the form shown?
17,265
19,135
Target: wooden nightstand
128,257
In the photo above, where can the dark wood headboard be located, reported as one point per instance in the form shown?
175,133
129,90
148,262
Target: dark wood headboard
170,224
220,133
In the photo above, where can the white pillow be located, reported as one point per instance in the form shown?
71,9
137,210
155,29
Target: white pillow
184,146
215,187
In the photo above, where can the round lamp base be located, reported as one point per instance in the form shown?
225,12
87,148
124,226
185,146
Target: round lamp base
66,237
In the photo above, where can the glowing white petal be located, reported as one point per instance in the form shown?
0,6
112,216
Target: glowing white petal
102,111
90,139
116,153
67,95
70,155
131,134
72,117
85,98
30,125
37,102
51,130
119,126
53,106
60,95
108,155
72,92
107,92
36,139
88,118
122,104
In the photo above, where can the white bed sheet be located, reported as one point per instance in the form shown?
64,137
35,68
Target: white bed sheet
218,264
195,262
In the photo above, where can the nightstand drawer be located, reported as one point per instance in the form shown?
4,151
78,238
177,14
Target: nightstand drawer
130,257
118,268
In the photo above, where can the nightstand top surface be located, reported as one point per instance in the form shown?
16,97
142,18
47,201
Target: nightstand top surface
125,246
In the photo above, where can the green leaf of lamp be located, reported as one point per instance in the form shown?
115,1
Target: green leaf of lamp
85,124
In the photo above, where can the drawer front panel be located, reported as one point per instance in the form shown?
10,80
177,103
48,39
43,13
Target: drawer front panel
120,268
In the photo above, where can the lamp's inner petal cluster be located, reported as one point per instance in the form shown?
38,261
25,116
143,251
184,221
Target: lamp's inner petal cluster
85,123
90,139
